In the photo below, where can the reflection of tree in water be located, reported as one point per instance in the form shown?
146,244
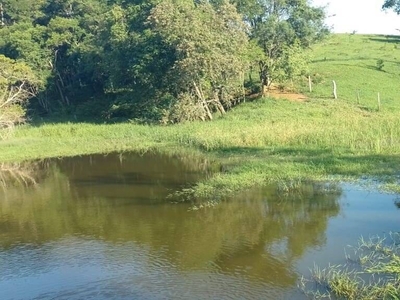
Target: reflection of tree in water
397,203
257,233
270,232
134,176
24,174
17,174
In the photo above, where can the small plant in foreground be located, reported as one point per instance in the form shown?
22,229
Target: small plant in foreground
380,64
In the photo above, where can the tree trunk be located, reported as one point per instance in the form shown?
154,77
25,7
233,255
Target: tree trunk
334,89
263,76
59,81
60,91
203,101
218,102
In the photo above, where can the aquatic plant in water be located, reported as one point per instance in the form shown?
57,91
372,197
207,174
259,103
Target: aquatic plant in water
373,273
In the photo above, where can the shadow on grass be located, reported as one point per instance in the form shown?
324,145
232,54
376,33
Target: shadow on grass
338,59
367,108
374,68
36,121
40,121
330,161
392,39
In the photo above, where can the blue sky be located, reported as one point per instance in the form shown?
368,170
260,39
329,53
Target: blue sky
363,16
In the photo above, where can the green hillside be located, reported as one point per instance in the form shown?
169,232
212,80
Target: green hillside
351,60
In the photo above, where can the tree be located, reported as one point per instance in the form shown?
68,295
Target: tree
16,11
57,40
392,4
280,26
292,63
210,45
17,84
134,61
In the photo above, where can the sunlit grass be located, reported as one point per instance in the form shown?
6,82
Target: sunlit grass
351,60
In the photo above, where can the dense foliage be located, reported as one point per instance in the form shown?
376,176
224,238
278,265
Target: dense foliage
164,60
392,4
17,84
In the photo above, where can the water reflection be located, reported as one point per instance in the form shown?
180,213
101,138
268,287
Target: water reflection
397,203
12,174
105,213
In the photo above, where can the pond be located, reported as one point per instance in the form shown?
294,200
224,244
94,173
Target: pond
104,227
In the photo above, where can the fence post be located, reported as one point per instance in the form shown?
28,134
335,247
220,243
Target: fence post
379,101
334,89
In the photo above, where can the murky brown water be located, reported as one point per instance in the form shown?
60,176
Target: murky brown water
102,227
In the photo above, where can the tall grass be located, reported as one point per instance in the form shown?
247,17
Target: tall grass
262,124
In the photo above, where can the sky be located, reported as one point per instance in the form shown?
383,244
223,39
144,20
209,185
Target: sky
362,16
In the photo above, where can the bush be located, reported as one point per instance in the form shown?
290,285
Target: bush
380,64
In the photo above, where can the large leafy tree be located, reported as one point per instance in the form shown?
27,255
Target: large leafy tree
135,60
16,11
210,46
282,27
71,31
57,39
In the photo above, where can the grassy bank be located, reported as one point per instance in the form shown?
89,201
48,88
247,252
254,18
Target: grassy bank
259,142
264,140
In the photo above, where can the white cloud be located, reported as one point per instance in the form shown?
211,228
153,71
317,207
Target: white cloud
363,16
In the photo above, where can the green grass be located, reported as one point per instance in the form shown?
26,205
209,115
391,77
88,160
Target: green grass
373,274
351,60
266,140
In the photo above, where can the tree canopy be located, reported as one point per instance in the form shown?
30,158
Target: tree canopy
169,60
392,4
283,29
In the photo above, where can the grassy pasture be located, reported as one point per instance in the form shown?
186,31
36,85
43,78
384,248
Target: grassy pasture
351,60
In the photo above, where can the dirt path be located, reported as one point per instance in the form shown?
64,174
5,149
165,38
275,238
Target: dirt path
277,94
286,95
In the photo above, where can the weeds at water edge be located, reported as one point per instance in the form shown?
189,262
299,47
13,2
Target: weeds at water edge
374,273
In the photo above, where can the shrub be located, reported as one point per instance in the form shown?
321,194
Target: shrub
380,64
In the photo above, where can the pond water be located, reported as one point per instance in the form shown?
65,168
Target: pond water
103,227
